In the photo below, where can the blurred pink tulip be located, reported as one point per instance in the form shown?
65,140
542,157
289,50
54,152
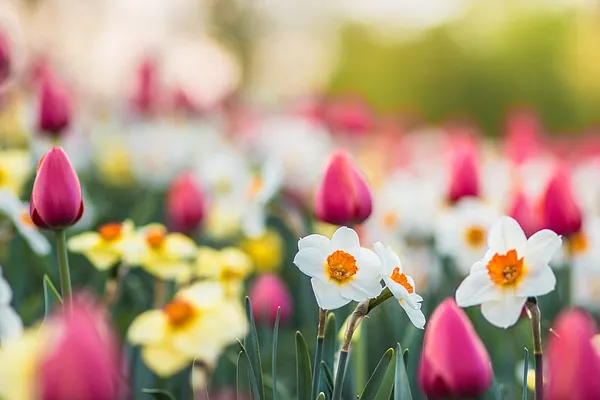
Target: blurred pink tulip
454,362
464,172
5,57
145,96
54,112
523,211
573,363
343,196
269,292
559,210
83,360
348,115
523,136
56,199
185,205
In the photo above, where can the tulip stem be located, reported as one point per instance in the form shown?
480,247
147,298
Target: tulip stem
339,375
63,266
535,317
316,378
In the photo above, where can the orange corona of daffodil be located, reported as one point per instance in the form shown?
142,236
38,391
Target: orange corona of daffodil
230,266
104,247
197,324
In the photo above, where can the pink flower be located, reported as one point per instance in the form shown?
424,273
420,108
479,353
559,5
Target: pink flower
145,97
268,292
185,205
454,362
464,172
343,196
5,57
560,212
348,115
54,112
56,200
523,136
522,210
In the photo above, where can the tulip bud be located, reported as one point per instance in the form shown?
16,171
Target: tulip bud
560,213
464,173
56,199
522,211
5,58
343,197
54,113
269,292
573,363
83,360
185,205
454,362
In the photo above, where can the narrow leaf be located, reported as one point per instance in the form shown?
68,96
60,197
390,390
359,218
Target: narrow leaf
303,373
329,342
238,373
328,378
525,373
274,359
159,394
405,358
50,293
374,381
401,385
321,396
253,351
252,378
387,383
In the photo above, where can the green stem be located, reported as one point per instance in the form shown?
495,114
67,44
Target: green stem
339,376
385,294
316,378
535,318
359,361
63,266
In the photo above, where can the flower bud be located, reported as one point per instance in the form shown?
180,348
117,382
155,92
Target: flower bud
523,212
573,361
560,213
5,57
145,96
56,199
464,173
268,292
54,112
82,360
185,205
454,362
343,197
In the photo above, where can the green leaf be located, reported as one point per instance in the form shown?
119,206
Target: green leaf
401,385
374,381
329,342
328,377
50,292
405,358
238,373
274,359
525,372
159,394
387,383
321,396
252,377
303,372
253,351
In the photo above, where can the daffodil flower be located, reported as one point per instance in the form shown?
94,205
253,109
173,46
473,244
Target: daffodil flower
103,248
260,192
11,325
197,324
15,167
229,266
341,270
513,269
401,285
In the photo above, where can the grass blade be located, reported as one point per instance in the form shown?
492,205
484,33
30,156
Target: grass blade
303,372
253,351
525,373
387,383
321,396
401,385
252,378
274,359
405,358
159,394
50,292
374,381
329,343
328,378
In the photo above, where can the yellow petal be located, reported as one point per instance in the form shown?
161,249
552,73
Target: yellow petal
148,327
207,262
180,246
164,360
203,294
236,260
103,259
167,270
84,242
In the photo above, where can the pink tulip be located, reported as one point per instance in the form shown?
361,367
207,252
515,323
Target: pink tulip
83,359
54,113
145,95
454,362
573,363
464,173
522,210
343,196
268,292
523,136
560,212
185,205
56,200
348,115
5,57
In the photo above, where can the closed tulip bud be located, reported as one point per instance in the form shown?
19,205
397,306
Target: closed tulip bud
56,199
54,112
343,196
83,359
560,212
464,173
454,362
268,293
185,205
573,363
522,210
5,58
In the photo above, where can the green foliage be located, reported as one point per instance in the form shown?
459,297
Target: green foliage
303,371
158,394
401,384
374,383
50,295
253,353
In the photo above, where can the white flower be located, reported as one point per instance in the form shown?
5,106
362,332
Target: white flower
11,325
340,269
461,233
585,287
18,213
513,269
581,249
401,285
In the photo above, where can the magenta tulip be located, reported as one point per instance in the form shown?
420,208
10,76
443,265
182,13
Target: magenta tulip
522,210
185,205
267,294
54,112
560,212
464,173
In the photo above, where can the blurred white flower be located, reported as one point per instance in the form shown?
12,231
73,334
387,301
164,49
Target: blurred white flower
11,325
587,185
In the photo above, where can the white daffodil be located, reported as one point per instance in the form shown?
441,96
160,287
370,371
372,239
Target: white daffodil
18,213
340,269
11,325
462,230
513,269
401,285
582,249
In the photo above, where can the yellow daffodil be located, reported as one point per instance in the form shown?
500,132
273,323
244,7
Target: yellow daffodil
12,127
104,247
115,166
18,366
15,167
230,266
164,255
197,324
266,251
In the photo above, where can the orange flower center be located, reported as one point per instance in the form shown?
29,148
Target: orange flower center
475,236
506,270
400,278
155,238
26,219
340,266
577,243
255,187
390,220
110,232
179,312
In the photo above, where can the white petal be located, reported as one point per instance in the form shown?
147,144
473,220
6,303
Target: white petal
5,292
253,220
311,262
318,241
541,247
328,298
477,288
381,253
537,282
504,312
397,289
359,291
416,316
204,294
369,266
505,235
11,325
346,239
